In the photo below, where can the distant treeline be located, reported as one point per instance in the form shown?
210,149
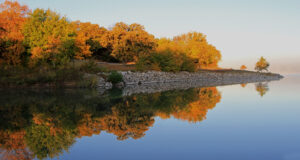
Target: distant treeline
31,38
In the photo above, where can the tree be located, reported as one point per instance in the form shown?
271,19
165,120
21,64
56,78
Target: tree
243,67
12,19
195,46
128,42
51,38
262,64
88,38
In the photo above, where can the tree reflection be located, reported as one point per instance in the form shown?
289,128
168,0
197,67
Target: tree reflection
243,85
41,125
262,88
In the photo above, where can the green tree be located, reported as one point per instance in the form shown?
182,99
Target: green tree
49,37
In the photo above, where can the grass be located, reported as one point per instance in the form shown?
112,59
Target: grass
117,66
73,74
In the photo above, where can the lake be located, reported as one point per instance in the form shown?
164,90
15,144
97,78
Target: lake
245,121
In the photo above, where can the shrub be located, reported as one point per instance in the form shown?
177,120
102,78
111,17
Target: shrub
166,61
115,77
91,66
262,64
90,81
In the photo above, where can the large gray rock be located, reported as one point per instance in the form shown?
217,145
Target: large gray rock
104,84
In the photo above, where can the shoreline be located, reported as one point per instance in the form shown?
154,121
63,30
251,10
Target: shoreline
161,81
201,78
153,81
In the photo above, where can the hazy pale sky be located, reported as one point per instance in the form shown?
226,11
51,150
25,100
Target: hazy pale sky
243,30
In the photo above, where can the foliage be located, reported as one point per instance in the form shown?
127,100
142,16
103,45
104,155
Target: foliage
45,124
51,38
88,38
115,77
128,42
195,46
243,67
262,64
262,88
42,45
12,18
166,61
44,142
90,66
71,74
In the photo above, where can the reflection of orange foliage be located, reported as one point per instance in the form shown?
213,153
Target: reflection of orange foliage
124,126
129,118
88,126
14,146
163,115
243,85
50,122
196,111
262,88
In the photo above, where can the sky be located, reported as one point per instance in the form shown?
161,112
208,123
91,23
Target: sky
243,30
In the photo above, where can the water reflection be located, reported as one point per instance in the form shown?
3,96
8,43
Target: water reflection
243,85
41,125
262,88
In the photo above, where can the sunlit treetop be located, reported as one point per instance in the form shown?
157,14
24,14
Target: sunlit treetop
12,18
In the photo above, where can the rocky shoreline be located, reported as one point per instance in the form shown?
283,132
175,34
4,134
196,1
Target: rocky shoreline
156,81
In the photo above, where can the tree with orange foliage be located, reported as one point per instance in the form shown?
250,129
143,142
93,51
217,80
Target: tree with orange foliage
128,42
243,67
195,46
12,19
89,38
262,64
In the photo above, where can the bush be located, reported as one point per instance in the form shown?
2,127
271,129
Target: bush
115,77
46,74
91,66
166,61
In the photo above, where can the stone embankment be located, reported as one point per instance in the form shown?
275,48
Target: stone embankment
155,81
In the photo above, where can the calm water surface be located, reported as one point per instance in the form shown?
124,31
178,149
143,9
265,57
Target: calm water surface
247,121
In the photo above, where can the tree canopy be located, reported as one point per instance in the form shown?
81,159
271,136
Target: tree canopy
262,64
43,36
